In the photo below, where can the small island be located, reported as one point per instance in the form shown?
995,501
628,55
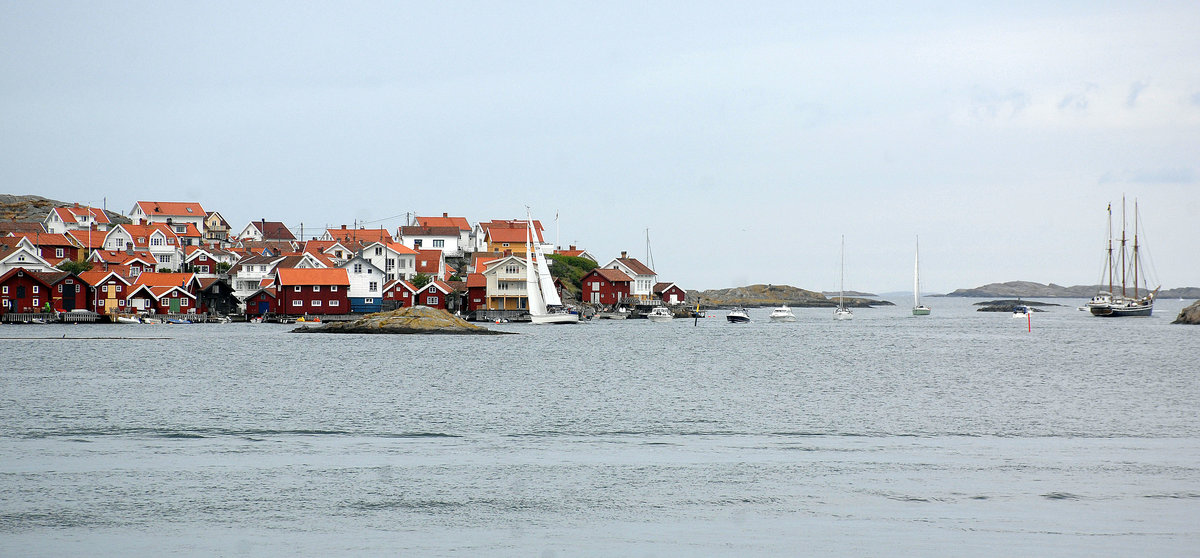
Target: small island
1009,305
411,320
1189,315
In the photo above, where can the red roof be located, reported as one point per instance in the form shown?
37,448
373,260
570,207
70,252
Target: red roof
521,224
88,239
302,276
445,220
172,209
71,214
94,277
476,280
636,266
612,275
45,239
155,279
511,236
360,235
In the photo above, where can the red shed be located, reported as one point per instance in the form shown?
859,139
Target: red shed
300,291
605,286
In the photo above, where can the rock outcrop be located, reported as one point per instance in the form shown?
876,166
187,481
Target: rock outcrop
1189,315
416,319
774,295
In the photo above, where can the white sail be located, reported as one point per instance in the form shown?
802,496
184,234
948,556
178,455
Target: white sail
533,291
545,280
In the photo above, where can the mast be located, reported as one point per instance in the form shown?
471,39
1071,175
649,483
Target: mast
842,277
1109,258
917,275
1122,246
649,254
1135,248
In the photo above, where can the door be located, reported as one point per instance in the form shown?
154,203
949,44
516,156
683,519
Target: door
68,297
263,307
174,305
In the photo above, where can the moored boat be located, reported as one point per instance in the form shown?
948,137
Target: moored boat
738,316
660,314
783,314
918,308
1118,301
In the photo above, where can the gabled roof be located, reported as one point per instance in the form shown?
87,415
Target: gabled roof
10,249
511,236
361,235
71,214
157,291
220,218
155,279
476,280
429,261
121,257
144,231
95,277
481,260
274,230
634,265
521,224
52,277
399,283
20,226
312,276
445,220
408,232
662,287
39,276
46,239
89,239
612,275
437,284
171,209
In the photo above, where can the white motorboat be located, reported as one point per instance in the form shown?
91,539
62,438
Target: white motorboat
738,316
783,314
660,314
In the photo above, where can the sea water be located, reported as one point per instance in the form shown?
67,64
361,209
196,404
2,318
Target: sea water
957,434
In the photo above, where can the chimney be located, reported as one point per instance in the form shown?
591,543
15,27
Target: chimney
76,205
129,248
445,215
624,254
572,246
343,227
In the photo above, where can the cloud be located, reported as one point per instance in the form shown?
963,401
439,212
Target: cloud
1196,99
990,105
1135,90
1181,175
1078,101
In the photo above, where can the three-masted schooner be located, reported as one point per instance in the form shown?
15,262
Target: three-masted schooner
1126,296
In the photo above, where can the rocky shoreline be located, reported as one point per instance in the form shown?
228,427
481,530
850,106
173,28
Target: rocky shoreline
760,296
405,321
1189,315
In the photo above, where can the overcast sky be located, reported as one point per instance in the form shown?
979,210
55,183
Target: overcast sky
748,137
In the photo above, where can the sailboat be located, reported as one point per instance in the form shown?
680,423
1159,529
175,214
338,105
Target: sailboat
1109,303
545,306
842,313
918,308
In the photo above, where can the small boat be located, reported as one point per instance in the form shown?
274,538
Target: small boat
660,314
127,320
178,321
918,308
738,316
310,321
841,312
1021,311
783,314
149,320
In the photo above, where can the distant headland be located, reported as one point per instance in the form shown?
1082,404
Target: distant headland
775,295
1028,289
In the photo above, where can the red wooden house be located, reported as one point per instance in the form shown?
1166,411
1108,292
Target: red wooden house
54,248
106,290
261,302
670,293
476,292
31,291
162,299
301,291
401,292
435,294
605,286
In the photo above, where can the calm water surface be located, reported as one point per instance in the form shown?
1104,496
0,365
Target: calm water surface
960,433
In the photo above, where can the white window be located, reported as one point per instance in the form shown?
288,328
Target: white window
35,289
403,263
373,286
58,252
333,288
118,288
100,303
180,228
164,258
596,286
431,299
121,303
60,288
155,241
316,288
358,268
183,302
438,243
316,303
296,289
365,301
35,303
5,291
337,303
391,262
297,303
378,251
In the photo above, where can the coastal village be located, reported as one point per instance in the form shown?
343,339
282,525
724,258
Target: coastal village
180,261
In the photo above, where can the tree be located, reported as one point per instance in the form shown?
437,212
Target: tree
75,266
420,280
223,267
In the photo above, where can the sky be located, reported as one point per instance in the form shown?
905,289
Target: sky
744,140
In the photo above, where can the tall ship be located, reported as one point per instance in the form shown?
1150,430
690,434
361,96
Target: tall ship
1127,294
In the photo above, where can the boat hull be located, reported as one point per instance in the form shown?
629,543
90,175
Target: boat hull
843,315
550,319
737,319
783,318
921,311
660,318
1107,311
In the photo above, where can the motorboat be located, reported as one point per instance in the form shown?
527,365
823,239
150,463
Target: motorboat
660,314
1021,311
738,316
783,314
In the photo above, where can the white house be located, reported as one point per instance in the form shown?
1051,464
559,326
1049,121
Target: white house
205,259
506,282
445,239
366,284
396,260
159,240
644,278
75,218
21,252
173,213
263,230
